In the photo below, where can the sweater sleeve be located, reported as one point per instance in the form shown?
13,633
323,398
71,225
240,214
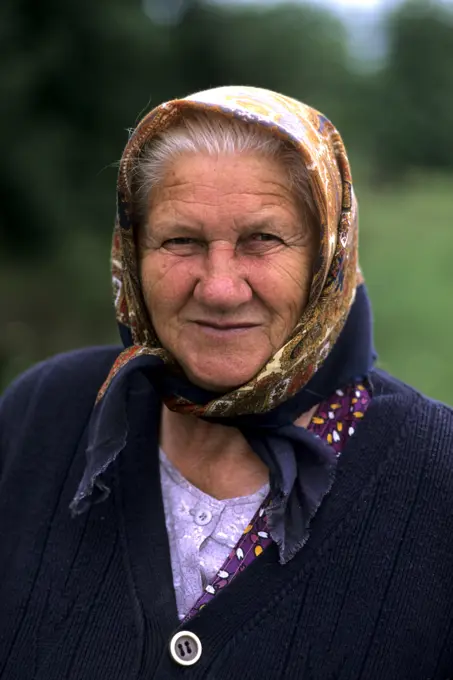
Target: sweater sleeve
72,378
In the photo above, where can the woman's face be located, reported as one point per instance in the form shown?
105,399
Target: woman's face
225,265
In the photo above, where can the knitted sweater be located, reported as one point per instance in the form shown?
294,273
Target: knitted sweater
91,598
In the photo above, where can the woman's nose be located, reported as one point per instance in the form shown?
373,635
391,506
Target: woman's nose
222,282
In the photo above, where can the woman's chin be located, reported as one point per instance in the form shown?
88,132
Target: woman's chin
222,380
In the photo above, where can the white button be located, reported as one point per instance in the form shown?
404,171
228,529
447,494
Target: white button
185,648
202,516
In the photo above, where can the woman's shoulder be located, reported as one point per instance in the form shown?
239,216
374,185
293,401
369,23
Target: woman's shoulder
86,367
385,386
67,383
426,425
410,438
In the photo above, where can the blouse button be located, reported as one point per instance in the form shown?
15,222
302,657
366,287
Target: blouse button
202,516
185,648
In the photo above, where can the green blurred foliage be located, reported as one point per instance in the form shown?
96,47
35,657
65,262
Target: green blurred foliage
76,76
416,90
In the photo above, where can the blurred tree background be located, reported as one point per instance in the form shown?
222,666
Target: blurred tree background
76,75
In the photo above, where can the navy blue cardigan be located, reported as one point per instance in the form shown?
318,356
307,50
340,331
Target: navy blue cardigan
91,598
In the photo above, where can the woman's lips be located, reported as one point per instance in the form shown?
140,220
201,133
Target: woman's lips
224,329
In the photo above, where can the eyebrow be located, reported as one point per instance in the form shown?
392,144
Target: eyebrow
264,225
179,226
187,229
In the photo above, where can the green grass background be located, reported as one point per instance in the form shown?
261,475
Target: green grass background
406,253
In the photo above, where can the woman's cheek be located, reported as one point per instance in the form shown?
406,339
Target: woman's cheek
288,274
167,281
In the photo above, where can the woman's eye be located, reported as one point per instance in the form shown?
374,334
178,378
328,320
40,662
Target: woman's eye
180,241
262,241
182,244
262,236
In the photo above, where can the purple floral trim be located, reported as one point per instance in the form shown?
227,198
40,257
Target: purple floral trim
335,420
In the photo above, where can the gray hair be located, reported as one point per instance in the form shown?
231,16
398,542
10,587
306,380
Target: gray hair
214,134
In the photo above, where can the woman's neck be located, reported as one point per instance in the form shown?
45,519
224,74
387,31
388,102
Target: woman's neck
215,458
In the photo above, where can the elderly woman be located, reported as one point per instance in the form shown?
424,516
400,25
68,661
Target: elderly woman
238,493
